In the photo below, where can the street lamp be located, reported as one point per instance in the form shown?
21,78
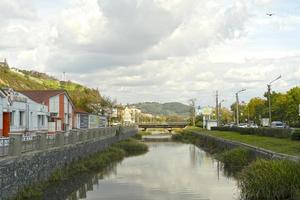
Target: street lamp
269,98
237,105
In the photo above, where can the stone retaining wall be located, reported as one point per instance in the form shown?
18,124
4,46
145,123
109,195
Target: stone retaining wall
260,152
19,171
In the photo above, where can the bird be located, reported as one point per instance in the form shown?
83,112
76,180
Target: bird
270,14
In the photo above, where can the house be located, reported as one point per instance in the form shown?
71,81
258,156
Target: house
131,115
60,107
19,114
81,119
84,120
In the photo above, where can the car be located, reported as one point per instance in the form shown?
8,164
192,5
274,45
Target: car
243,125
253,126
278,124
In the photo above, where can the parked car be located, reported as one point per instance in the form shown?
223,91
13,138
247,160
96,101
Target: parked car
278,124
243,125
253,126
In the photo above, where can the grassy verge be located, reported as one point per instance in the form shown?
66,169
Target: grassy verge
280,145
235,160
96,162
270,180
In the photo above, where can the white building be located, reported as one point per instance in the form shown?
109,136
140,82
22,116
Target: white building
131,115
19,114
60,108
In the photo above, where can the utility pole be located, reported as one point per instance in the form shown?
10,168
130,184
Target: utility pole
217,108
269,99
220,110
237,105
237,108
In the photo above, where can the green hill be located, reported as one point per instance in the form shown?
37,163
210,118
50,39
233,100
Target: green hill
166,109
17,79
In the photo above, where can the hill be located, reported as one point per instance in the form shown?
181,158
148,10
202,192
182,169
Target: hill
82,96
166,109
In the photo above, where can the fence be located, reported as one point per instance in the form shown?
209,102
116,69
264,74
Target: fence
17,143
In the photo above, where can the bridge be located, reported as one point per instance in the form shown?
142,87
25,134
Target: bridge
169,125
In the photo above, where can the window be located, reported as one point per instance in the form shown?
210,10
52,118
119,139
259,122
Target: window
12,118
41,120
22,118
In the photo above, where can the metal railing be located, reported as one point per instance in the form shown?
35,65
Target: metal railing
29,143
4,145
18,143
50,140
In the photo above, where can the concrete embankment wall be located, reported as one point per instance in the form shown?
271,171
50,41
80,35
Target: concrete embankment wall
259,152
29,168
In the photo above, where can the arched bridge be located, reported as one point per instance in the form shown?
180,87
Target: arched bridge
169,125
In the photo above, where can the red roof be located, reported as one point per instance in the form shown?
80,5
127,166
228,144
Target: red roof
79,110
40,96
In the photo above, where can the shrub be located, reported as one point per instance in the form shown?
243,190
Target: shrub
296,134
185,137
132,147
270,180
235,160
263,131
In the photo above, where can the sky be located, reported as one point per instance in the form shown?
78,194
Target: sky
157,50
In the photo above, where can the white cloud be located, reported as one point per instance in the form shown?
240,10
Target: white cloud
138,50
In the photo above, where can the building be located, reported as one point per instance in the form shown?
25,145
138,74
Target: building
4,63
131,115
81,119
60,108
20,114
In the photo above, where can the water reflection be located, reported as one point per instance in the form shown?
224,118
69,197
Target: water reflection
167,171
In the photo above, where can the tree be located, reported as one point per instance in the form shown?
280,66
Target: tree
192,111
256,108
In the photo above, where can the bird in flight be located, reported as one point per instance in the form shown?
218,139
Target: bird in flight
270,14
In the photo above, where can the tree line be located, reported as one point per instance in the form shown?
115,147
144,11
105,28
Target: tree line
284,107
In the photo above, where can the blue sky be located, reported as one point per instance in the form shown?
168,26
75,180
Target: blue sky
157,50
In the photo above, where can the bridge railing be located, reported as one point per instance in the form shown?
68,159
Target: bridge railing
17,144
164,123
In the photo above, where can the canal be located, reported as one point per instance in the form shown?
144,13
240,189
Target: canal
168,171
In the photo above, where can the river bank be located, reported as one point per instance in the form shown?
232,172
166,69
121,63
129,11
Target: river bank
95,162
259,177
169,170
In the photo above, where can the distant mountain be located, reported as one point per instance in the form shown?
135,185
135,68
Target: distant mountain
168,109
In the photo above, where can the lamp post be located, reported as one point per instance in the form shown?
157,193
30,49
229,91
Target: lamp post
237,105
269,98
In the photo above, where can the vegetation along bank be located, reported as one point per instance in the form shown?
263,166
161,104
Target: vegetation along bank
258,177
93,163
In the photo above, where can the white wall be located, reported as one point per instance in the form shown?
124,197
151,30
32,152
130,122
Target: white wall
54,104
1,114
32,111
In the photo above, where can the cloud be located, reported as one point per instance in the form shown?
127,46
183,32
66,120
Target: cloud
156,50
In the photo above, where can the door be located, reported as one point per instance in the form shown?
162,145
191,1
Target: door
6,124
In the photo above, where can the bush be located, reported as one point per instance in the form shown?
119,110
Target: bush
132,147
263,131
185,137
270,180
235,160
296,134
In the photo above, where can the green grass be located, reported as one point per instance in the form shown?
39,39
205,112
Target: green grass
280,145
270,180
235,160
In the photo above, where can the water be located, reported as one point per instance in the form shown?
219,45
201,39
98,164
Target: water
172,171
